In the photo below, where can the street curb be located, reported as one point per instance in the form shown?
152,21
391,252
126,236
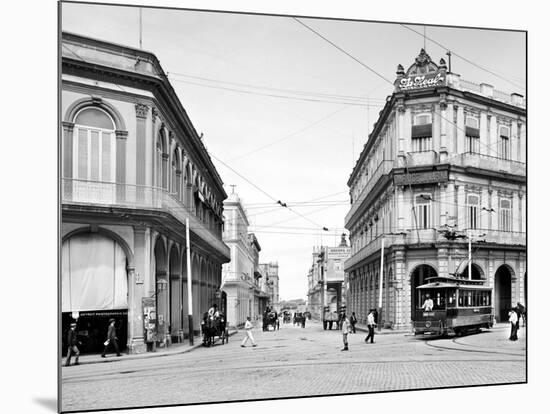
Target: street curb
146,354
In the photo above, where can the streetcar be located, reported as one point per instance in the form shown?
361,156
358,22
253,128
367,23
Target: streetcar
459,306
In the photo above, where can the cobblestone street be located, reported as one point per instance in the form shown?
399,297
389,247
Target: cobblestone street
297,362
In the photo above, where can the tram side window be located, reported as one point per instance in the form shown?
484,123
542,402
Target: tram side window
452,299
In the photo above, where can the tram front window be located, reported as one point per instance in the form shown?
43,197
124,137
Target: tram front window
432,300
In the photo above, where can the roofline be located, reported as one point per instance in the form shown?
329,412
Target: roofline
423,93
162,79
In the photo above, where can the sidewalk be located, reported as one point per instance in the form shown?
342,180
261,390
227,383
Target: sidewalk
178,348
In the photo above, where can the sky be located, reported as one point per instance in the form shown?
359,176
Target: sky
286,109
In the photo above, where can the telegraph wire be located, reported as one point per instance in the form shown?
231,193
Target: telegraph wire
290,135
289,91
278,96
342,50
465,59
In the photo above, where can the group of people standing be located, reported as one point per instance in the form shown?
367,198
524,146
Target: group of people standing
348,326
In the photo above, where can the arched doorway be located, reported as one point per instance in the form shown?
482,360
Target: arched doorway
477,272
94,289
503,292
418,277
161,289
175,294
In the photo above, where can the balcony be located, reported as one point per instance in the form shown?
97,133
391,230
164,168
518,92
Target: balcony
421,158
486,162
137,197
384,168
504,237
373,247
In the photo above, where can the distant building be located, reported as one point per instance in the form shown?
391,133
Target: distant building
133,171
444,164
241,277
271,283
326,278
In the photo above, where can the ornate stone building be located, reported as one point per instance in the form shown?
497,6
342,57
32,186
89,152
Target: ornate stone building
241,276
444,165
327,279
133,171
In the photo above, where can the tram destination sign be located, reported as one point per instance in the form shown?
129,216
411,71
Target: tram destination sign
421,81
421,178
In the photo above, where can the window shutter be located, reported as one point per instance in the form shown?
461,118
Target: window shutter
420,131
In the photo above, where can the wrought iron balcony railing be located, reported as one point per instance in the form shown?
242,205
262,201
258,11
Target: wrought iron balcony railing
100,193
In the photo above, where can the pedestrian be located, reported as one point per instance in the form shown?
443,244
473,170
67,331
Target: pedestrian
213,312
72,343
248,328
346,329
513,319
303,320
353,321
370,324
112,339
522,312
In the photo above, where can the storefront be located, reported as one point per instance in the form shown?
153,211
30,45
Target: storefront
95,289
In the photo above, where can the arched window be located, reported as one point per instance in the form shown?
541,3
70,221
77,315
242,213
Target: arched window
158,160
94,145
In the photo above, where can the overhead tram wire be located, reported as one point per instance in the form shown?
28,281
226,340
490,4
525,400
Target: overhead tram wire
465,59
288,91
342,50
352,103
289,135
265,193
383,77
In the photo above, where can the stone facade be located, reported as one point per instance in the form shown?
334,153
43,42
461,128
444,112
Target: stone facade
446,158
135,171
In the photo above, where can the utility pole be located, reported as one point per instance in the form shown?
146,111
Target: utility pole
469,255
189,282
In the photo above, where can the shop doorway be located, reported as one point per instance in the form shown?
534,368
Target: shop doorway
91,329
503,292
94,288
418,277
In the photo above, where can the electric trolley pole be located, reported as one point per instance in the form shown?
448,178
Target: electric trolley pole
189,282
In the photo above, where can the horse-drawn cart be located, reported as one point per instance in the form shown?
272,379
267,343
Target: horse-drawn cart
212,327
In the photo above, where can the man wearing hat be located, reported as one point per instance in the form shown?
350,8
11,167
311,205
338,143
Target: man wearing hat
111,339
72,348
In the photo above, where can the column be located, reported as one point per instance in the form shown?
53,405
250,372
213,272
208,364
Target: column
520,212
490,205
121,138
141,148
67,153
136,292
514,141
493,135
407,130
494,206
165,169
443,204
156,168
460,130
516,213
461,210
483,137
438,127
485,216
400,201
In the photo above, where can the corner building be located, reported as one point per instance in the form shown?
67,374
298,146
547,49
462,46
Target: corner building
445,158
133,171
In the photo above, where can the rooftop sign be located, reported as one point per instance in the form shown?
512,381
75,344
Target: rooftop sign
341,253
421,81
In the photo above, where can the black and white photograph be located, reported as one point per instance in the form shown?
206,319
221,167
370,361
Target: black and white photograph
299,208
